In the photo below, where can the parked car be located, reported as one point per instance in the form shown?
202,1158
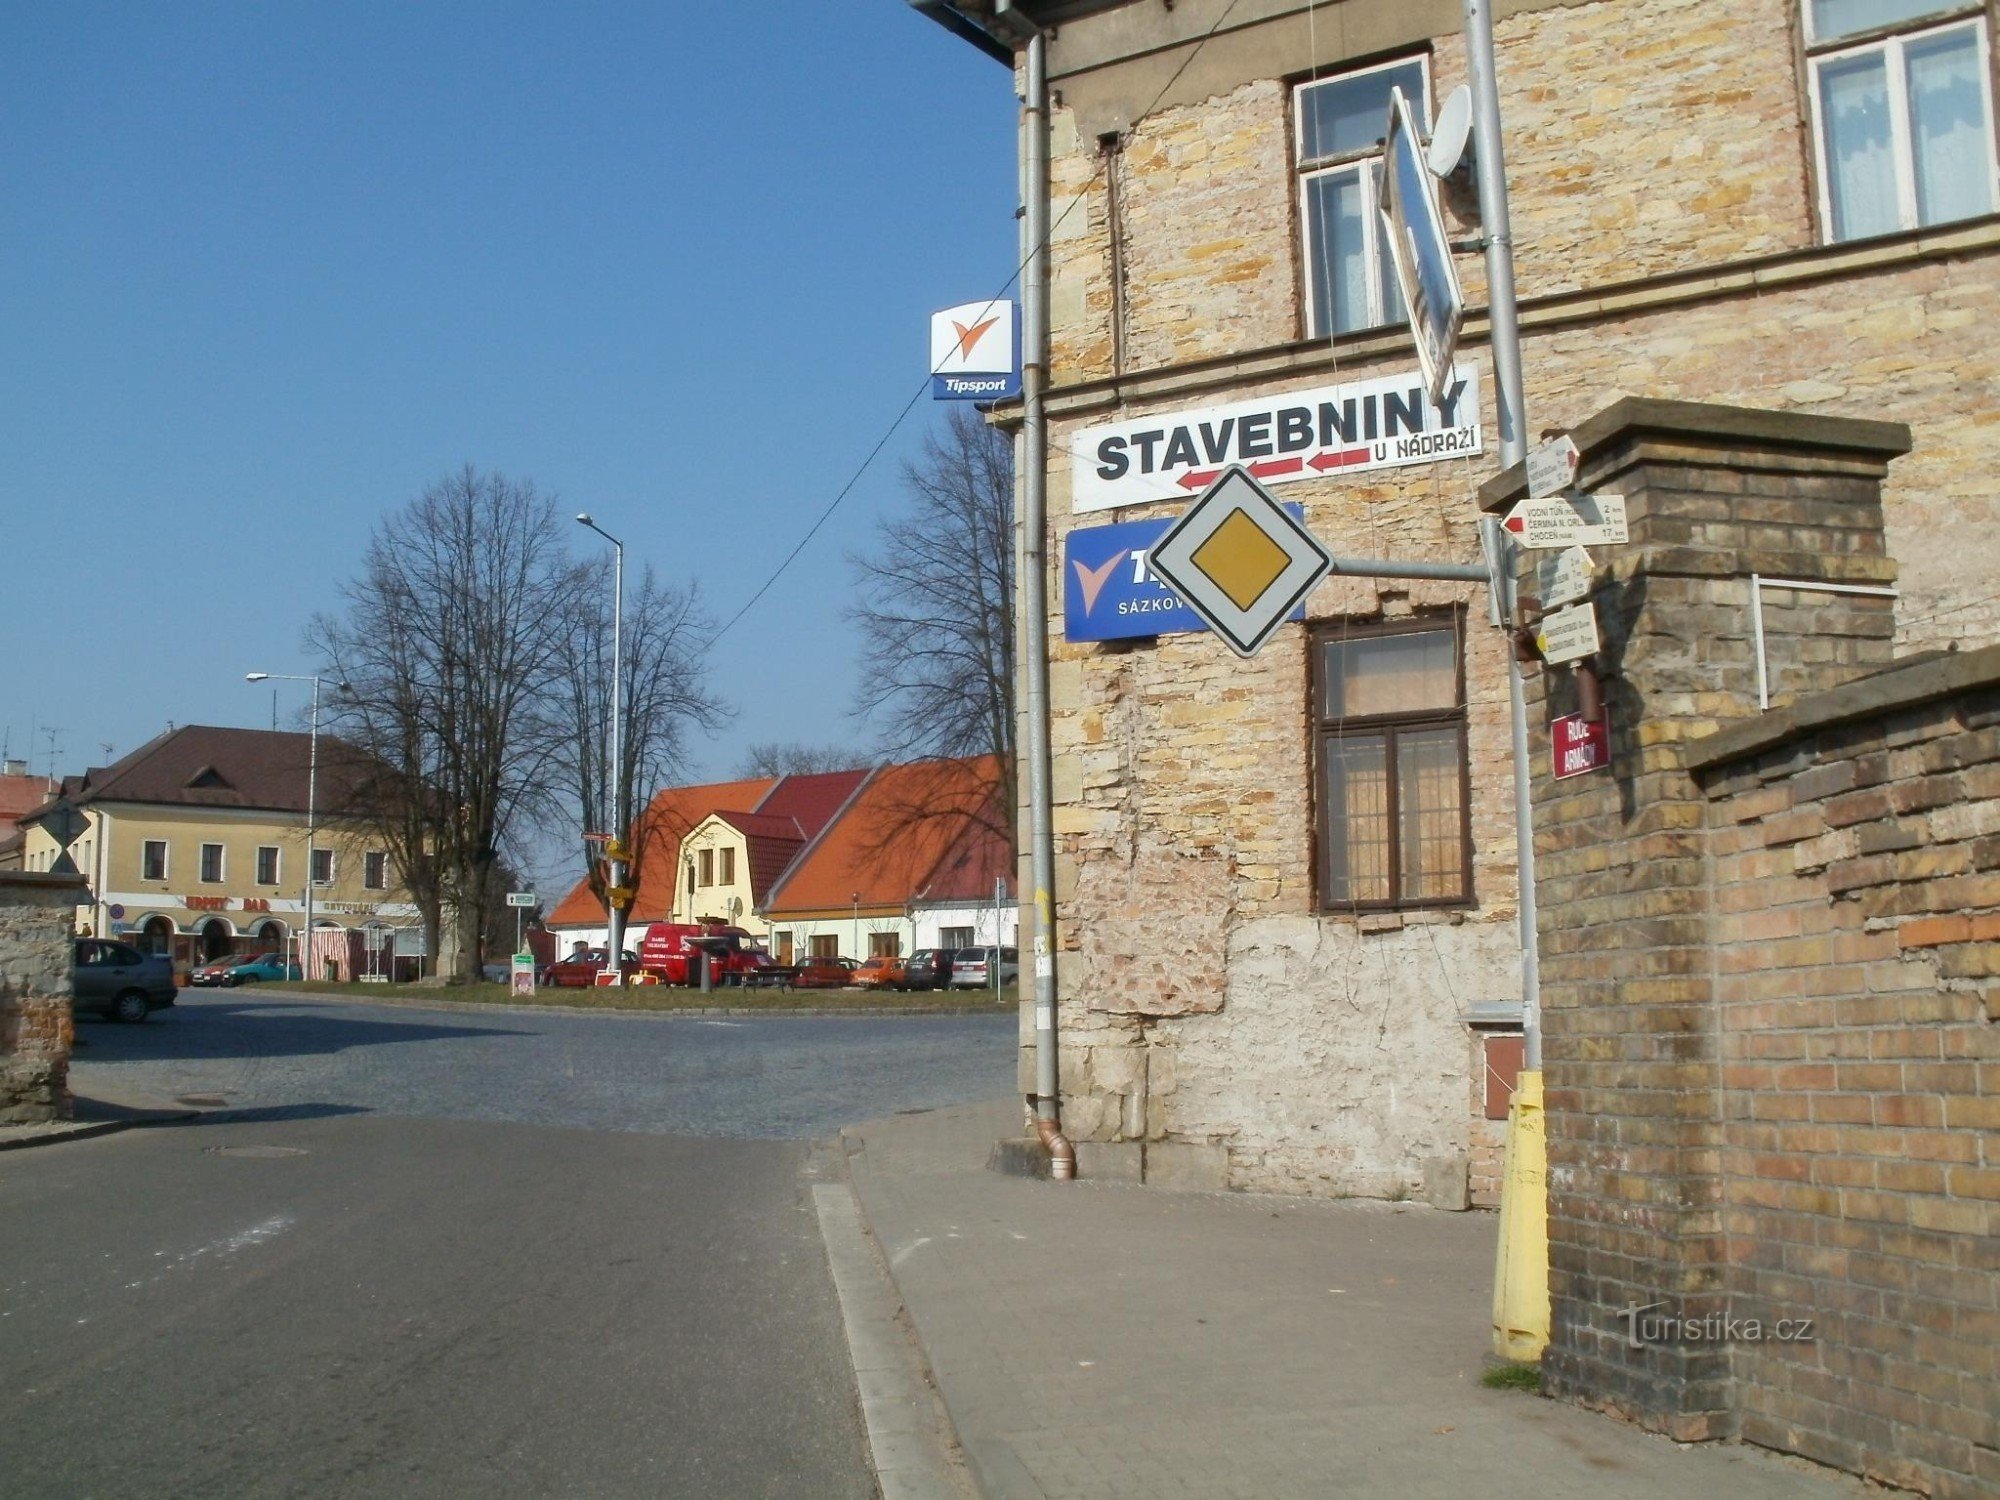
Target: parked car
972,968
882,972
264,968
824,974
928,969
215,971
117,980
580,970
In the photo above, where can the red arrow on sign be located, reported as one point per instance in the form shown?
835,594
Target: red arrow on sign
1272,466
1198,479
1346,458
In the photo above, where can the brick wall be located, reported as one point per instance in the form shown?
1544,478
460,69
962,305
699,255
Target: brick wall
1769,1055
37,928
1855,844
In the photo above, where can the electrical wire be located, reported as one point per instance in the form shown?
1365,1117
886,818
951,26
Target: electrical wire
918,394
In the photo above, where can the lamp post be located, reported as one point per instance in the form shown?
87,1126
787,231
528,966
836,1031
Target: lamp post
614,915
312,794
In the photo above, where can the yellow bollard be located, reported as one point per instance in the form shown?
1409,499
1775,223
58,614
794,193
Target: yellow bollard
1521,1269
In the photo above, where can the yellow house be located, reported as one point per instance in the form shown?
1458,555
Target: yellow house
195,845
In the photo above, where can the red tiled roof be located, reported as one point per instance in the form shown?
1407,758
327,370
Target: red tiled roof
894,839
20,795
811,800
981,855
672,813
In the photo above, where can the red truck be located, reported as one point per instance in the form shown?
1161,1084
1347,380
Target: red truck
671,954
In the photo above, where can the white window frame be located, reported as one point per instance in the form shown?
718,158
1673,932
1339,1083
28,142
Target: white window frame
166,858
1363,164
319,852
221,875
383,884
277,864
1890,41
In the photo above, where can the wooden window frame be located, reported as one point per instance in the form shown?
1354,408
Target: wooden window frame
1361,161
1324,727
1811,52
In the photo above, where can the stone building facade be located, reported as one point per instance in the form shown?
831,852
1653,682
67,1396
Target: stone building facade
1684,228
37,932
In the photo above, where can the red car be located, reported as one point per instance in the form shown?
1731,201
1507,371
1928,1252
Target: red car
580,970
882,972
824,974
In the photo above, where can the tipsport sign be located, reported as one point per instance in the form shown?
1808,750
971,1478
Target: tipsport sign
1338,429
976,352
1110,591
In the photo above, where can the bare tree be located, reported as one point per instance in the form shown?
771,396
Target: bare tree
937,605
450,634
666,699
796,758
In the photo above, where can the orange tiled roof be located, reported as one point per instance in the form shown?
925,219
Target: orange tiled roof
666,822
895,838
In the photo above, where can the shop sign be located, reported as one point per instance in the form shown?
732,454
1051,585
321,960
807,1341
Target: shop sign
1381,423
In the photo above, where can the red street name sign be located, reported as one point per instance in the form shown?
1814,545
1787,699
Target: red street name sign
1580,747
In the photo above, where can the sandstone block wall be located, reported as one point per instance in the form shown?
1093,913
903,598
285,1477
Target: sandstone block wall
37,957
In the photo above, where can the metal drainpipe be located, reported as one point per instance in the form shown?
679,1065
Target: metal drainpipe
1034,584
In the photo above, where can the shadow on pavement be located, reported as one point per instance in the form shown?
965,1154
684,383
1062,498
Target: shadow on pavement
264,1114
266,1028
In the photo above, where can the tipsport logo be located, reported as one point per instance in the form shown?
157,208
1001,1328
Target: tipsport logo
976,352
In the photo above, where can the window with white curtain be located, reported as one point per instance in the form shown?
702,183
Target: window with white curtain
1394,823
1902,104
1337,139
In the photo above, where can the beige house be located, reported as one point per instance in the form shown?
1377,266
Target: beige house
195,845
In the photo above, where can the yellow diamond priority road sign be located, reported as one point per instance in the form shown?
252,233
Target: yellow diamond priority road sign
1239,560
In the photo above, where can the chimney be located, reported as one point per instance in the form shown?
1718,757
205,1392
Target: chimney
12,767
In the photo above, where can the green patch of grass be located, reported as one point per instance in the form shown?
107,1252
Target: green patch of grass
1513,1376
651,997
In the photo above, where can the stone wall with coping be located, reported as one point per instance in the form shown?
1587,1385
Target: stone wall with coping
1855,856
37,959
1768,971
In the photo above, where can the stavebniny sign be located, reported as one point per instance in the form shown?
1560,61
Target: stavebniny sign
1383,423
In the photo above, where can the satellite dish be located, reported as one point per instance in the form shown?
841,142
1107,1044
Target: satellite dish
1449,135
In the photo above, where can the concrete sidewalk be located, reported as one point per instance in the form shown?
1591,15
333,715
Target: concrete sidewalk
99,1112
1091,1339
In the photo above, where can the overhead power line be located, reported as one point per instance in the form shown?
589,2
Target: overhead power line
918,394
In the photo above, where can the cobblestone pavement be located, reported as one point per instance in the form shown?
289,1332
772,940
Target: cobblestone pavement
741,1078
1108,1341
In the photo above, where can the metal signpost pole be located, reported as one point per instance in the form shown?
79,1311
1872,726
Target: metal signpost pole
312,799
614,874
1521,1272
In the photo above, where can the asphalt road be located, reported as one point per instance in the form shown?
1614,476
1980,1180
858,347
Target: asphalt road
423,1254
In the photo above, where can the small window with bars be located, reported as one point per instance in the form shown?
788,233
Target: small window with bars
1393,785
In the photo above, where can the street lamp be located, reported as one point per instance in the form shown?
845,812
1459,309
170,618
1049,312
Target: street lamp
312,795
614,915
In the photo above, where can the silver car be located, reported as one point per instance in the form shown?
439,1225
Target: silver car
972,968
117,980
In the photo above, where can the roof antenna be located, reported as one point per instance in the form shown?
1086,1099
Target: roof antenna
50,734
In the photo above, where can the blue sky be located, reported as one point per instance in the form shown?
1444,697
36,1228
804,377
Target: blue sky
266,271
